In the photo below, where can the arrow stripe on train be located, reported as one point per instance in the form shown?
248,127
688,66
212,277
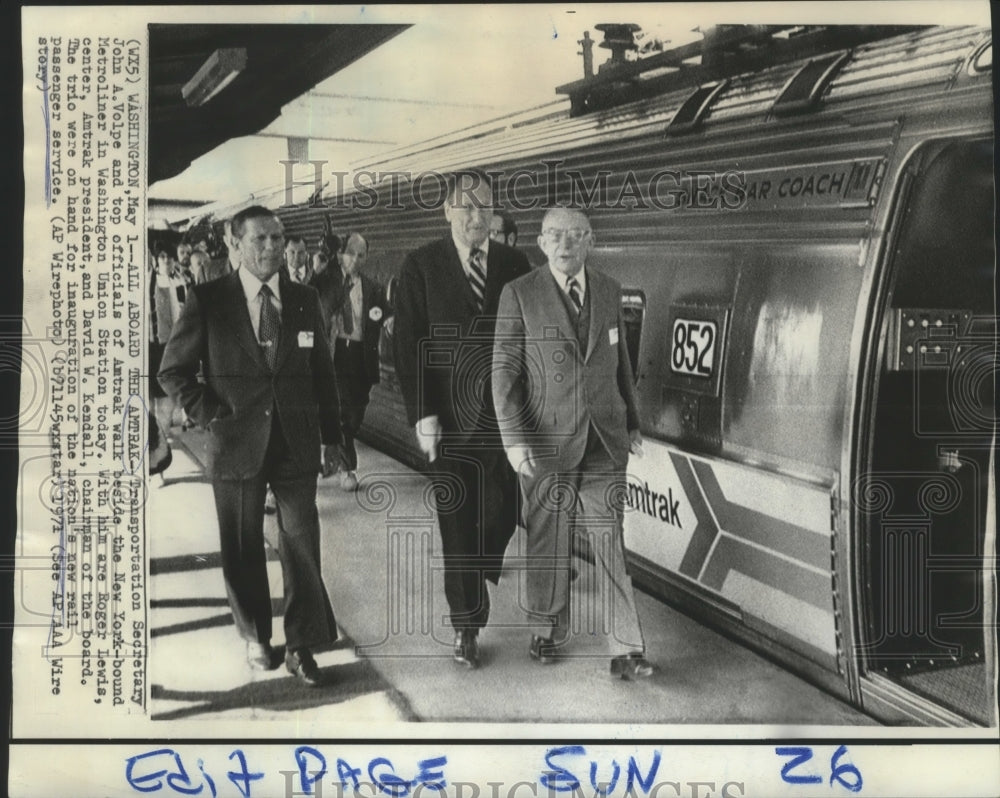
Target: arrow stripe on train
744,527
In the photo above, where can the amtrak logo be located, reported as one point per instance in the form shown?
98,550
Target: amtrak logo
656,505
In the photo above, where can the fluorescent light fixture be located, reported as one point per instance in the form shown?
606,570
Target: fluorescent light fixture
218,71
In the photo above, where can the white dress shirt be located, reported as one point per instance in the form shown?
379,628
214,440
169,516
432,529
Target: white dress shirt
563,279
251,289
464,252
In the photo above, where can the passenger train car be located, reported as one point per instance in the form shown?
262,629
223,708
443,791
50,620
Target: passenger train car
803,225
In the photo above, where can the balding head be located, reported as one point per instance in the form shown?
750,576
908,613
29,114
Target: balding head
566,239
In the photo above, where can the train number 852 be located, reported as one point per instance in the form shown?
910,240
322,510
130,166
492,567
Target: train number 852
693,348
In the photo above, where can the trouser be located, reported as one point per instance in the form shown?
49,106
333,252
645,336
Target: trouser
239,504
585,500
476,496
354,388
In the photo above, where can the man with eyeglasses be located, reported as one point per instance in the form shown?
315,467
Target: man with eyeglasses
503,229
566,406
446,306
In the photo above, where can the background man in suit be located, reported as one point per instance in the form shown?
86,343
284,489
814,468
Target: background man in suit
446,304
503,229
355,308
268,398
566,406
297,260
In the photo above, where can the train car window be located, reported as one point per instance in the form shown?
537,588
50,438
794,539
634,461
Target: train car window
784,391
633,314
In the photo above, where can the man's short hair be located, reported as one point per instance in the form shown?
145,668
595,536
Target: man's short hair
466,180
294,240
253,212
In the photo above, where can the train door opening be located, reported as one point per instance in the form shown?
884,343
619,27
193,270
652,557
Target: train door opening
923,492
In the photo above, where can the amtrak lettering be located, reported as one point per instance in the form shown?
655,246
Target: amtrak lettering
845,183
656,505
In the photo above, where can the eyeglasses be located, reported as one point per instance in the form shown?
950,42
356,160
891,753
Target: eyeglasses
572,236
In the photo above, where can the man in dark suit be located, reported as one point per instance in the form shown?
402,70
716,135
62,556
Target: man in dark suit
297,260
566,406
354,308
268,398
446,304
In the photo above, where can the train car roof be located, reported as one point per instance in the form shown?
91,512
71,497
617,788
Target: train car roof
934,58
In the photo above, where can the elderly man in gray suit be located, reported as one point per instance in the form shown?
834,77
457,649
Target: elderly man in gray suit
566,407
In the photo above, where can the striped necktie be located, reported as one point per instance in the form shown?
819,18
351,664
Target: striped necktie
269,326
477,276
573,289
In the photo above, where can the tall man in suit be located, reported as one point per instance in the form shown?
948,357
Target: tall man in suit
446,305
566,406
355,308
268,399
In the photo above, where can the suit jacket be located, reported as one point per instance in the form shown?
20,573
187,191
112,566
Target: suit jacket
239,392
443,345
374,312
547,391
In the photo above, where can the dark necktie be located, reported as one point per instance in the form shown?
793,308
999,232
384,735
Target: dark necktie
347,311
573,289
477,276
269,327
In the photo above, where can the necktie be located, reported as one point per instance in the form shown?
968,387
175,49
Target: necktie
269,327
347,311
477,276
573,288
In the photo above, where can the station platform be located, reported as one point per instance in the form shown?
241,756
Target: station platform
393,661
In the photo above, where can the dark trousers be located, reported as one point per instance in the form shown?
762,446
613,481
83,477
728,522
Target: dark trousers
354,388
239,503
476,494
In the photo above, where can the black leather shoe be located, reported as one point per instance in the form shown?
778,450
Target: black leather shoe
303,667
631,666
260,657
542,649
466,651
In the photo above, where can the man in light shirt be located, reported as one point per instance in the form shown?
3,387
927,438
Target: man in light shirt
268,398
566,406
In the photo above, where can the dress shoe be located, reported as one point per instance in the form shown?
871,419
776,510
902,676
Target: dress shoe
466,651
259,656
348,481
542,649
631,666
303,667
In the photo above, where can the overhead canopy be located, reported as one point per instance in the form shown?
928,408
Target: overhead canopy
281,63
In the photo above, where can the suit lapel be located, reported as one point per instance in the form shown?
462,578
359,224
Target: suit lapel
598,304
456,275
292,321
494,279
553,306
233,311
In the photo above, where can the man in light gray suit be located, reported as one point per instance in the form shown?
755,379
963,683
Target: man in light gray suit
566,407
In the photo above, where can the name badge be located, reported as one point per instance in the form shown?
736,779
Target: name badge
306,339
613,336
